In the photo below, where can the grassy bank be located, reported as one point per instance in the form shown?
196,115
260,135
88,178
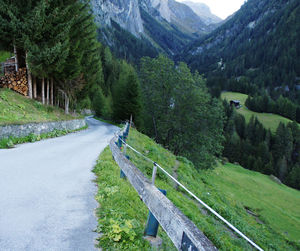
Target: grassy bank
17,109
266,212
121,214
108,121
269,120
4,55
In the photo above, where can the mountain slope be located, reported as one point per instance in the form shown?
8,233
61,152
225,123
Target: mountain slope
261,41
203,11
160,25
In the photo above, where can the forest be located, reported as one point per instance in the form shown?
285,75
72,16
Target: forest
258,149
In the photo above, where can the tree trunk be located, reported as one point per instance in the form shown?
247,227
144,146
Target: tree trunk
43,90
29,79
16,58
48,90
34,88
52,92
67,102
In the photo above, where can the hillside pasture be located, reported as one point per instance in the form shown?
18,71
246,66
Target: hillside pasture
269,120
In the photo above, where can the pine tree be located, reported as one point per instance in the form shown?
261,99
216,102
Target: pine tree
126,95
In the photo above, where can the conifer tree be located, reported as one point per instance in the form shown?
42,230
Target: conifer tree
126,95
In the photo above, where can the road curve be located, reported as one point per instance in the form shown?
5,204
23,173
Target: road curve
47,194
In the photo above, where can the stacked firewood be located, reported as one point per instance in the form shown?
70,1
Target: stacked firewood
16,81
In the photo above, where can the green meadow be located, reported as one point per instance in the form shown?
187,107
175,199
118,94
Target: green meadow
269,120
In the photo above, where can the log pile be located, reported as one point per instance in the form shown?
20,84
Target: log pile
16,81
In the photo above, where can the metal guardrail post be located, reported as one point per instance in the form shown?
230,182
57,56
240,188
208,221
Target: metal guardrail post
120,143
122,174
152,223
154,173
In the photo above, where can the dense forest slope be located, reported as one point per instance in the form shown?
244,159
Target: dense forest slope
261,41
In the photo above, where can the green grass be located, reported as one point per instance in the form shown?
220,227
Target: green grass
17,109
107,121
121,214
228,189
276,205
4,55
12,141
269,120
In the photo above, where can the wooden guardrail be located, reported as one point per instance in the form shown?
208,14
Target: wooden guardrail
182,231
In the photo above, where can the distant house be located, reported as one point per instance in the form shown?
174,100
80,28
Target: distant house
236,103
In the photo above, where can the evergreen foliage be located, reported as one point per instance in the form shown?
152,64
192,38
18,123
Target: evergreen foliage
282,106
259,42
127,96
256,148
125,45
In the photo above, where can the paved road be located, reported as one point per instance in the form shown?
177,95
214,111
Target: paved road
47,194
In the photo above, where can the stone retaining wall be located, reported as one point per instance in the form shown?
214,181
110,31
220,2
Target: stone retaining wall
39,128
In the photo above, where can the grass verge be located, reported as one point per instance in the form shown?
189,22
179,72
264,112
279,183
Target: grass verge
17,109
108,121
269,120
266,212
121,215
12,141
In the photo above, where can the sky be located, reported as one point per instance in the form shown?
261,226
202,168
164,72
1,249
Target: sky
221,8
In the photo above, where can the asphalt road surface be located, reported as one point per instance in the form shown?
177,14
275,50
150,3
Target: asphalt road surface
47,191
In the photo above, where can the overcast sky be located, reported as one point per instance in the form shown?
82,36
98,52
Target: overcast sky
221,8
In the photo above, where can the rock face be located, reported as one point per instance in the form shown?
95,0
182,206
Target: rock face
127,14
166,25
203,11
185,18
124,12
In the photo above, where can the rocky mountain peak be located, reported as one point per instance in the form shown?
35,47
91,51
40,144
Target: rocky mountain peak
124,12
204,12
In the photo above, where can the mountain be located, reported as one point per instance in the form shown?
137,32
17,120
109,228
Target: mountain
203,11
177,14
260,41
124,12
135,28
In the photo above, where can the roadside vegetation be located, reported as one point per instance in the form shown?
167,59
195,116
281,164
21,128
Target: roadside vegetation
265,211
121,214
108,121
269,120
17,109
